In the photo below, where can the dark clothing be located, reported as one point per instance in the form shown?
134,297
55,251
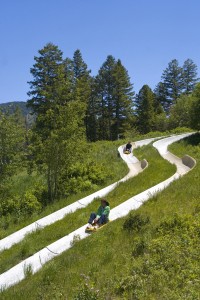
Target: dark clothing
128,146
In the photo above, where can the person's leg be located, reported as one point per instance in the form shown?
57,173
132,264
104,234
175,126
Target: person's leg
92,217
102,220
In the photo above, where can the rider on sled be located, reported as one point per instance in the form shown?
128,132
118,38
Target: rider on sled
101,217
128,147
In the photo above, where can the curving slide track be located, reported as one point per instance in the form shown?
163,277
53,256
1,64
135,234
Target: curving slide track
17,273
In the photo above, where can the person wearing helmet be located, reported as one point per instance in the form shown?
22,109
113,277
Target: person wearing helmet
102,215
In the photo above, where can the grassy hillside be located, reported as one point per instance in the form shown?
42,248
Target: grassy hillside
36,241
151,254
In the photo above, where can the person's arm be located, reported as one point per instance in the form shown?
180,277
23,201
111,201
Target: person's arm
99,213
106,211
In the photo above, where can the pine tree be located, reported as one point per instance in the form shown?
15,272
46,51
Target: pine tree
105,90
173,82
79,66
114,99
189,76
82,86
44,72
161,96
59,119
122,100
92,128
81,77
69,72
144,110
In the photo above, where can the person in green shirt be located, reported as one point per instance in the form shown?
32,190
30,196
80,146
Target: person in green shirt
102,215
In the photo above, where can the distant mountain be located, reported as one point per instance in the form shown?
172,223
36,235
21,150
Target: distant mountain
10,107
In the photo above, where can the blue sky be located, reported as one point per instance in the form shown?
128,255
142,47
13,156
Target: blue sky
145,35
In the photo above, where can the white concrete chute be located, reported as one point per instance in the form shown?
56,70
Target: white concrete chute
134,168
16,274
163,150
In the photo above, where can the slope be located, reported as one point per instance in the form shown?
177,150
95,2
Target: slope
38,259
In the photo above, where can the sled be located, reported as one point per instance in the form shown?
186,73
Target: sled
127,152
94,229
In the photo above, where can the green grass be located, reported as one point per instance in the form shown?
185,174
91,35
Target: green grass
158,261
41,238
103,152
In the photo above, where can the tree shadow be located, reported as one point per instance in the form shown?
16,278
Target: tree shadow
193,139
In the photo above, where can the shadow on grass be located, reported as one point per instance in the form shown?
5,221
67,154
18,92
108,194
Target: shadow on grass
193,140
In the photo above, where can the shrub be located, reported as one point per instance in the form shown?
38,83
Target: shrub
135,222
165,267
87,290
29,203
141,246
8,206
40,192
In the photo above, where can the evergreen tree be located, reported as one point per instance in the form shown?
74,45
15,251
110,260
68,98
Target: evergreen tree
81,77
144,109
114,99
44,72
55,146
92,128
189,76
59,119
58,94
105,92
82,86
173,82
79,66
122,100
69,72
161,96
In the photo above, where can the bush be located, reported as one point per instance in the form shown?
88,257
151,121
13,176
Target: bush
180,130
23,204
8,206
82,177
87,290
40,192
141,246
165,267
135,222
29,203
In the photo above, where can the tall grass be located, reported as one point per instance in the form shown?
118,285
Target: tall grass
41,238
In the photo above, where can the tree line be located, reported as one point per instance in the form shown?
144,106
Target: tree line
110,107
